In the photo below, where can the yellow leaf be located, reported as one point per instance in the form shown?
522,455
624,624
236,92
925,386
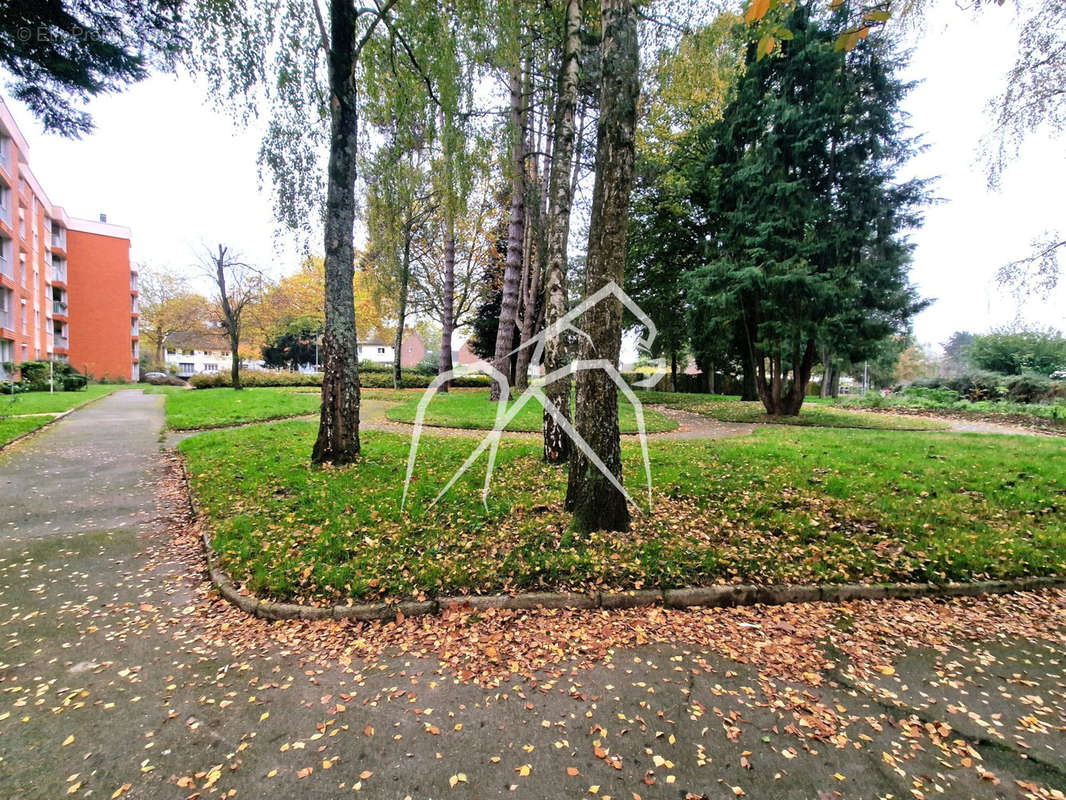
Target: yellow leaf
524,770
68,740
756,10
121,790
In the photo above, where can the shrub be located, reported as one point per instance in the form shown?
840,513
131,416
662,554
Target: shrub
34,377
74,383
933,395
1028,388
978,385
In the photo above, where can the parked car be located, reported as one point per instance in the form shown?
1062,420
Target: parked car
1058,375
148,376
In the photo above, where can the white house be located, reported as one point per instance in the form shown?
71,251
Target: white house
190,353
193,352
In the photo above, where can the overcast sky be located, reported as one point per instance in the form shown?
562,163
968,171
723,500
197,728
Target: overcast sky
181,175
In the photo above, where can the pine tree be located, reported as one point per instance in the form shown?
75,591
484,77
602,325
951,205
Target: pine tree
802,213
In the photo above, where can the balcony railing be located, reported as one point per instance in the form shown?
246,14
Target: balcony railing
6,267
59,240
59,307
133,282
7,320
60,342
59,273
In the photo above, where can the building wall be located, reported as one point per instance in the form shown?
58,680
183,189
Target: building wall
103,305
25,292
412,351
65,283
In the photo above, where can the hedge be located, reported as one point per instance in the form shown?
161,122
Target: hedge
370,378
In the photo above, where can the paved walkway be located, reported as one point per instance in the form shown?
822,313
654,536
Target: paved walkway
121,677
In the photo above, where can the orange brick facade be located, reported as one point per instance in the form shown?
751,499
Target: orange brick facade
66,289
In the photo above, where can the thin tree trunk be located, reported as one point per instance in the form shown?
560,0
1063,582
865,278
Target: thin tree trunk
560,198
827,373
232,327
673,371
447,316
405,280
235,361
338,428
595,502
515,237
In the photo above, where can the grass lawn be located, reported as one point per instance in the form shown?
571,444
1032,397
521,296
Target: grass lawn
189,409
730,409
785,504
13,427
44,402
470,408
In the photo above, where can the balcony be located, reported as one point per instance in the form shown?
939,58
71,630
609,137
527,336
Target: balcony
134,282
135,307
59,239
59,307
59,272
7,320
60,342
7,269
134,329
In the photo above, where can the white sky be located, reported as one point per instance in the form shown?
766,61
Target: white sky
181,175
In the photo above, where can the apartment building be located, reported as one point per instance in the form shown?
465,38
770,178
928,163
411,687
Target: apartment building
67,291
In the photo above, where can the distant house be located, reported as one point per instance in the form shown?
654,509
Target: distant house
413,349
377,351
189,353
466,356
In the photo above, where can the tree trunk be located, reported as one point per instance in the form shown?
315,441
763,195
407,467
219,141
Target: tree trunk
556,442
235,361
594,501
338,428
405,279
515,236
447,315
529,321
827,373
673,371
801,376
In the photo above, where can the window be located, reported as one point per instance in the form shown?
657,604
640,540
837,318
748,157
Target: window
186,368
381,350
210,367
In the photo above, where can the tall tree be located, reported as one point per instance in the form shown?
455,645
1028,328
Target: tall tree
595,501
168,306
271,56
512,272
560,198
60,53
237,285
797,187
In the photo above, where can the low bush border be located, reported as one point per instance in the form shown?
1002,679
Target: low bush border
716,596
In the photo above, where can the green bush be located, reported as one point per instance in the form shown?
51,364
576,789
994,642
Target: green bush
370,378
74,383
935,395
978,385
34,377
1028,388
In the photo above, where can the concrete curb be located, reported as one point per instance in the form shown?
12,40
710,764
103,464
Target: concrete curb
718,596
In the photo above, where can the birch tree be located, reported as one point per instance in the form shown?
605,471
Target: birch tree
595,502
